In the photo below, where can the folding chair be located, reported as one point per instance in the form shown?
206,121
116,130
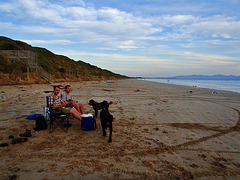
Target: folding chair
56,119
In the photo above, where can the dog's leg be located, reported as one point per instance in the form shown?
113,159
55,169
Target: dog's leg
104,131
110,135
96,112
103,127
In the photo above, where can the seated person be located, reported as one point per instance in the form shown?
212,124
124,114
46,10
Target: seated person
55,101
66,96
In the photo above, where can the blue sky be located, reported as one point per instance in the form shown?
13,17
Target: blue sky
132,37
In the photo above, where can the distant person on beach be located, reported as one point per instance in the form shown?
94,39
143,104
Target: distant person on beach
66,96
55,101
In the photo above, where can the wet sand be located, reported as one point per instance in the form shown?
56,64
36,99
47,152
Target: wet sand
160,131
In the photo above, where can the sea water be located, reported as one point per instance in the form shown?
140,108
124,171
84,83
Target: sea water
228,85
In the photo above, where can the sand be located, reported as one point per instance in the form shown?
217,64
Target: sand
160,131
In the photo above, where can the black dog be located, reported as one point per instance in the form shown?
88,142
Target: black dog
106,119
97,106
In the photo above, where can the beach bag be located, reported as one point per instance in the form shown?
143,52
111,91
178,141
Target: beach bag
41,123
88,123
33,116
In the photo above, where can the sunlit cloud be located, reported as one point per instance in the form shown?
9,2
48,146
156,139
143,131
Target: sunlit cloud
64,42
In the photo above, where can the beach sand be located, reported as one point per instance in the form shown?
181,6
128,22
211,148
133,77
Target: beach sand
160,131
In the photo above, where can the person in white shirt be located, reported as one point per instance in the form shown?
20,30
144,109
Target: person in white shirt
66,96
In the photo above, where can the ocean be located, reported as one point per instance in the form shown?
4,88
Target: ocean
228,85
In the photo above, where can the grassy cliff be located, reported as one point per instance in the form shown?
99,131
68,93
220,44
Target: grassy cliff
60,67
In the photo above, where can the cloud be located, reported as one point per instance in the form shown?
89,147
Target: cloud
6,7
187,58
217,26
158,34
108,20
71,3
188,28
173,20
6,25
113,27
106,25
64,42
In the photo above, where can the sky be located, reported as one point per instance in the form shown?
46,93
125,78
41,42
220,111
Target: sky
153,38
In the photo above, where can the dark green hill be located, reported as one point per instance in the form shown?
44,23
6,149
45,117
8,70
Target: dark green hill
60,67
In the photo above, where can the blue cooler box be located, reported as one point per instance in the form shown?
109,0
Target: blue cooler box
88,123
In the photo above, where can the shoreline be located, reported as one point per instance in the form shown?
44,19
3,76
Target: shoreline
160,131
212,89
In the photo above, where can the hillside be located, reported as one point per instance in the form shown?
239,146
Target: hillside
60,67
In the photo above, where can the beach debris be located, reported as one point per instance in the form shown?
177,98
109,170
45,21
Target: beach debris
19,97
3,97
194,166
18,140
3,144
137,90
108,90
26,134
11,137
156,129
164,100
147,163
13,177
164,131
202,155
